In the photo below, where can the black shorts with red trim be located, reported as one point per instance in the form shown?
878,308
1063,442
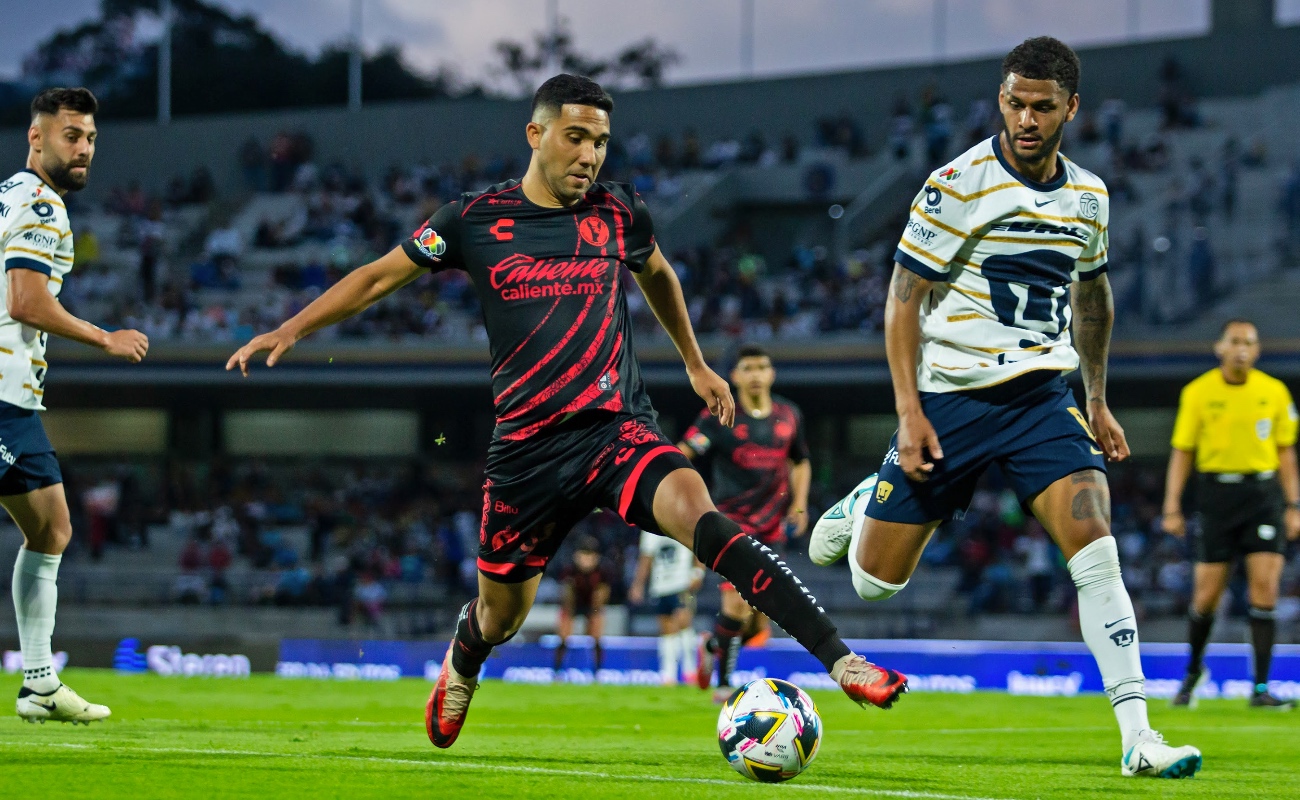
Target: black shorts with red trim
537,489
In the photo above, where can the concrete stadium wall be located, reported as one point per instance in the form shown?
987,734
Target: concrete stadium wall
1233,61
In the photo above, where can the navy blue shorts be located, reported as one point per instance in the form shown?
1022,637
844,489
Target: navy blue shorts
27,461
666,605
1029,426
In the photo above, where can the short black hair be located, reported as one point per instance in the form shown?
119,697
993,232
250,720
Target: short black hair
1044,58
752,351
565,89
588,544
1235,321
49,101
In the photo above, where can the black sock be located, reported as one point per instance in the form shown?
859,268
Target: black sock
1263,629
600,654
1198,634
560,650
469,648
725,631
768,585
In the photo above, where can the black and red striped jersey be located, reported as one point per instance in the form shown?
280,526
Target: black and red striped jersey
584,584
550,281
750,475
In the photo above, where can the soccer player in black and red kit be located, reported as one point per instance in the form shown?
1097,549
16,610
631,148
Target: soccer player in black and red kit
584,591
549,256
760,479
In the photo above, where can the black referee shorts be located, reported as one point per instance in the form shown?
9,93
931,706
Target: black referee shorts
1239,515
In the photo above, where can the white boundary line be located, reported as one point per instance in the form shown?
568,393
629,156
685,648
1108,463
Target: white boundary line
476,765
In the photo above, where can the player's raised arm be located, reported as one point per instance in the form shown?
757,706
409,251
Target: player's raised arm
916,436
1094,314
663,292
359,289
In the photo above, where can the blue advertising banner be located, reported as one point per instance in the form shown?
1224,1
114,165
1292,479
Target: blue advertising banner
1028,668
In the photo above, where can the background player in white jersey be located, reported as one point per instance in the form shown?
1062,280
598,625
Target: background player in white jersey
1003,248
37,245
674,576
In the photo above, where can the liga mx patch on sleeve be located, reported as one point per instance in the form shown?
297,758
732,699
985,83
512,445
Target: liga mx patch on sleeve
431,244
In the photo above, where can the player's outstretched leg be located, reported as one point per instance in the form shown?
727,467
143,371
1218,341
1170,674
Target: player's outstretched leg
1076,511
832,534
488,620
683,510
42,516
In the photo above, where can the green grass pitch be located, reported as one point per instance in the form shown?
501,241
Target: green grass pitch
268,737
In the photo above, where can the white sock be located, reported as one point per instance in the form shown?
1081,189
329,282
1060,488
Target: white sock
689,643
1110,629
669,645
36,595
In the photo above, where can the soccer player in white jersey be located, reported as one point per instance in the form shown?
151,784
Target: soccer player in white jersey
674,576
1005,246
37,245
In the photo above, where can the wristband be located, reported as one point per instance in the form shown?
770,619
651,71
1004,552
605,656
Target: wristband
1295,505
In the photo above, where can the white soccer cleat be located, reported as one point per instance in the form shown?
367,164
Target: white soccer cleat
833,531
60,705
1150,757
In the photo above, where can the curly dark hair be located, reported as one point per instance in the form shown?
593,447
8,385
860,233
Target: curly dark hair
49,101
1044,58
564,89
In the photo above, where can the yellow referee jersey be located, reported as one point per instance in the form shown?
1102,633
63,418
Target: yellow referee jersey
1235,428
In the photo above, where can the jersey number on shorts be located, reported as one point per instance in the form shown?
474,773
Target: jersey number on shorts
1078,417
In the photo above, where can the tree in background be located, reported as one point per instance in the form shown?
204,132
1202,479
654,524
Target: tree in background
221,63
640,65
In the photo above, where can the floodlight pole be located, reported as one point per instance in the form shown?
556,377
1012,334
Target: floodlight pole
940,31
747,37
165,64
553,27
354,59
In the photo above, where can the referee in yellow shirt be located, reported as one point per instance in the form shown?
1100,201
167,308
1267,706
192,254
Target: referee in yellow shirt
1239,425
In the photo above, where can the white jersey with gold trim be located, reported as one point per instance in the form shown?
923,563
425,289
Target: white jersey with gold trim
34,234
673,567
1002,250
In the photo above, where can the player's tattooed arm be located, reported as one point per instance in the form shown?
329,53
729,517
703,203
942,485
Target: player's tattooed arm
905,284
918,444
1094,314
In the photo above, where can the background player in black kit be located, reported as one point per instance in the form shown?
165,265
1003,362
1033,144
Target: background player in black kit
760,479
548,257
584,591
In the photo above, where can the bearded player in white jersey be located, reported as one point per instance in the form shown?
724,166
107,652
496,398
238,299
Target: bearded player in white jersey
1003,247
37,245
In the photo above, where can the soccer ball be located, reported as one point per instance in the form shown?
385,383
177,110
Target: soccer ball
769,730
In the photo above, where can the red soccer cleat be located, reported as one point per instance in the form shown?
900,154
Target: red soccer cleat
704,675
444,715
865,682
